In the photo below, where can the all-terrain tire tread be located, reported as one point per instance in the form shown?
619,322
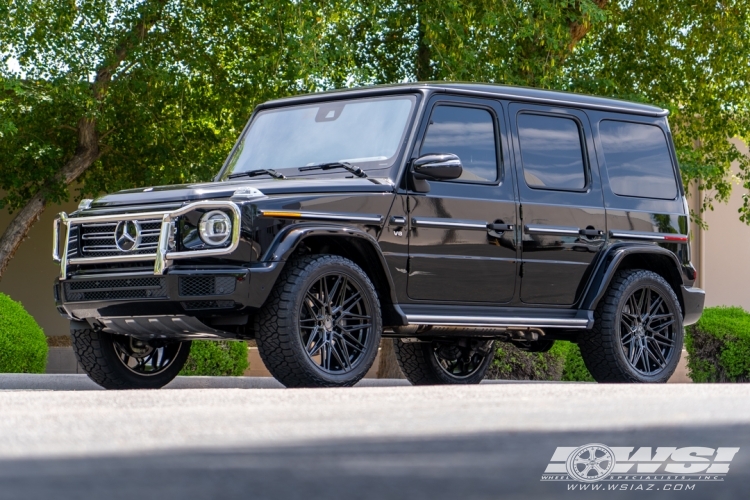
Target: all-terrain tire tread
274,324
599,344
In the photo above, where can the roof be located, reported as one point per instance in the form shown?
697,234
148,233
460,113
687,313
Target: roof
482,90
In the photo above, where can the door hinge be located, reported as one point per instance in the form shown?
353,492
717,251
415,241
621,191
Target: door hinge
520,272
520,211
408,266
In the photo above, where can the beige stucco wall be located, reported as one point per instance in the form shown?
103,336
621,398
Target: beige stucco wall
30,274
723,257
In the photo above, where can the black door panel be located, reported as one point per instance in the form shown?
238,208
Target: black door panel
462,238
563,218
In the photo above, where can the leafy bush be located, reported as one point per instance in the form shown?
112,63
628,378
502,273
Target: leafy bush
562,362
575,369
719,346
216,358
23,346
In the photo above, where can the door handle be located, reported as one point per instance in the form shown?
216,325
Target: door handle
398,220
591,233
500,227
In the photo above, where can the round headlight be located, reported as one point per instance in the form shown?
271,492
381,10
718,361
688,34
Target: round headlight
215,228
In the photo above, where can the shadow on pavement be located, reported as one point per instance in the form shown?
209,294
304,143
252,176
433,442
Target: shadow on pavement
484,466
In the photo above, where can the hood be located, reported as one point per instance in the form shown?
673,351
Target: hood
217,190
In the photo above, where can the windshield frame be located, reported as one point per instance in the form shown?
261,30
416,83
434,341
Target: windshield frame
320,98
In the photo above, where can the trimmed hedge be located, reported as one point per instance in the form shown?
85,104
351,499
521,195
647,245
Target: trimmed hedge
562,362
23,346
216,358
718,346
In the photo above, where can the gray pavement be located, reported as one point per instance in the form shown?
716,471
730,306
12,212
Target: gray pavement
230,438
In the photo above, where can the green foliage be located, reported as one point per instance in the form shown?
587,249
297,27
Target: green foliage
23,346
562,362
170,83
719,346
216,358
575,369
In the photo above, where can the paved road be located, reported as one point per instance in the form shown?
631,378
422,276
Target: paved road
245,438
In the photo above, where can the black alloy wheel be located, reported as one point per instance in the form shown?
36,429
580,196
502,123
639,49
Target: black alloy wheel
637,334
121,362
647,330
321,325
335,323
145,358
459,361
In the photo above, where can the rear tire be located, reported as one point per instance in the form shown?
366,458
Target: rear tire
121,362
463,361
637,334
321,325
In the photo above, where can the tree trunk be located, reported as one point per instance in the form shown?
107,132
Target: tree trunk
86,154
424,51
388,366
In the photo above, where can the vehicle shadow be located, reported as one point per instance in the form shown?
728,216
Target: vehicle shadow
498,465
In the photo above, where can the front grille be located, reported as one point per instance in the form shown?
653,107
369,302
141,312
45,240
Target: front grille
116,289
206,285
98,239
207,304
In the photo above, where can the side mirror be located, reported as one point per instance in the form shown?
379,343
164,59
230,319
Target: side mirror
441,166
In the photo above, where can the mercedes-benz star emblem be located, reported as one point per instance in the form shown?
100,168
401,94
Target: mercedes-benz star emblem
128,235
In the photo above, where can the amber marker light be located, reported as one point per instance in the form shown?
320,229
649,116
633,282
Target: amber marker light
281,214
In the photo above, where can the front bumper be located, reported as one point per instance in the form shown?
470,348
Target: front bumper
692,300
196,292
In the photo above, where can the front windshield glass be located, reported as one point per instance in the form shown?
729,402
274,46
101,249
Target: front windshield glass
364,132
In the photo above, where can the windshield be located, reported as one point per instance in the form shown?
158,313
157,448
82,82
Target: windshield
364,132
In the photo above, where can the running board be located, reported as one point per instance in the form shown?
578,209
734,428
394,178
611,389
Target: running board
567,319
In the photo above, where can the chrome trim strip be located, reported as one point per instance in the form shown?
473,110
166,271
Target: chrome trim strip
65,222
291,214
56,238
440,223
553,230
163,256
494,321
643,236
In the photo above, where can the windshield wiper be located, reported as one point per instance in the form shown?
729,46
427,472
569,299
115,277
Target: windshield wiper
255,173
336,164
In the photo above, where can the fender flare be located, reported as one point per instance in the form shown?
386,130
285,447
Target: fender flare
610,263
288,240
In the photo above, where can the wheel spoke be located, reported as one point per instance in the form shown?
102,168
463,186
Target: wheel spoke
353,342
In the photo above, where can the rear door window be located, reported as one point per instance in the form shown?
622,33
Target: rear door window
637,159
551,152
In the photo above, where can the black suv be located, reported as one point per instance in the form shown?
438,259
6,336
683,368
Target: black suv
444,216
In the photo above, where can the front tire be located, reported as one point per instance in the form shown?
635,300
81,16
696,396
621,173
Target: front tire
463,361
122,362
637,334
321,325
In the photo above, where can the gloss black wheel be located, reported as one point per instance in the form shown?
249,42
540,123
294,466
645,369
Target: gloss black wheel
143,357
121,362
637,334
460,361
321,325
335,323
647,330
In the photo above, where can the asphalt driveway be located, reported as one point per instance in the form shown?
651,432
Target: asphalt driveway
61,437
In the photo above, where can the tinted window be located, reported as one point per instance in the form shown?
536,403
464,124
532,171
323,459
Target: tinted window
551,152
637,159
468,133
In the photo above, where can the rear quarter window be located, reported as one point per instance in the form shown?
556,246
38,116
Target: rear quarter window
637,160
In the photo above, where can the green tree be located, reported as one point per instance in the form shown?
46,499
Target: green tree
123,93
117,93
